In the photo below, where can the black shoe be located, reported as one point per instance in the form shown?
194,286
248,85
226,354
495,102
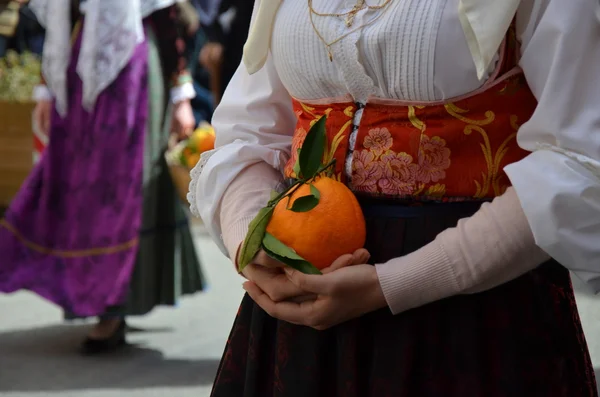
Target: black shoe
92,346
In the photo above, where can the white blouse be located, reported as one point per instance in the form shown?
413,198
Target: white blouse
417,50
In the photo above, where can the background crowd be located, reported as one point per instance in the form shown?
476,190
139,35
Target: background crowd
93,242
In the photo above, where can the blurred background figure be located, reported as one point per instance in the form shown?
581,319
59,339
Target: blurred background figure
16,25
97,227
226,23
195,39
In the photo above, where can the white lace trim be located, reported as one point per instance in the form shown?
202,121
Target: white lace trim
41,93
55,60
195,176
112,31
182,92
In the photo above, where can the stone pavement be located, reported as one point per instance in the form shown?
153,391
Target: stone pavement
175,352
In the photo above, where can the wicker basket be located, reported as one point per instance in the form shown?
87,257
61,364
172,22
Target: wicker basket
180,175
181,179
16,148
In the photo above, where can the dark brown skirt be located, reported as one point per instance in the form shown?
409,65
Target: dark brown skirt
523,338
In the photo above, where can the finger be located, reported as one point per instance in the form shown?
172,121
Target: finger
360,256
265,260
342,261
304,298
253,271
317,284
274,283
295,313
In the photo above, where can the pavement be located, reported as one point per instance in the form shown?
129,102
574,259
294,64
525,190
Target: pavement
175,352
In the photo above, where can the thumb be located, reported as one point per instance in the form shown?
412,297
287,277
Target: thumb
317,284
265,260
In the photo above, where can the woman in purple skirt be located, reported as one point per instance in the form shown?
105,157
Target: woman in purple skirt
97,228
469,131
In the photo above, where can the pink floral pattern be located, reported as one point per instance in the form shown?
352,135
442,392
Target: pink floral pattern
379,169
378,141
366,172
399,174
434,159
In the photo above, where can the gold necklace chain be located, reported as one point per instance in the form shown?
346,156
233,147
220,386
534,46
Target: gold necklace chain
350,15
328,45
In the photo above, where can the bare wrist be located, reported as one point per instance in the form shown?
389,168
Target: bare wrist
377,296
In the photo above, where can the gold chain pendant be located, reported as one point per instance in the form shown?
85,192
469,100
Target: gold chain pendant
352,14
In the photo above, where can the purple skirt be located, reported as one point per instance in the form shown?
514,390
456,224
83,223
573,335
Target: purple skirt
523,338
71,233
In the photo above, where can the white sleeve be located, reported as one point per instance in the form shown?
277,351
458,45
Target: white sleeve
254,123
182,92
41,92
558,184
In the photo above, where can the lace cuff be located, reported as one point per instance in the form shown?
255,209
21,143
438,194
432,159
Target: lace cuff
195,176
182,92
41,93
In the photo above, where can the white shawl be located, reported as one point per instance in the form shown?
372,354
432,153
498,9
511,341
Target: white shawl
112,31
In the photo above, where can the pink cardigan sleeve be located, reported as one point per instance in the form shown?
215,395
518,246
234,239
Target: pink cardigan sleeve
245,196
490,248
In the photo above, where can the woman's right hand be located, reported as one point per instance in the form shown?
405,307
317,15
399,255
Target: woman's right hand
42,114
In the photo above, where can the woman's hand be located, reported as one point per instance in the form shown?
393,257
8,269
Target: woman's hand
211,56
183,123
268,275
343,294
42,114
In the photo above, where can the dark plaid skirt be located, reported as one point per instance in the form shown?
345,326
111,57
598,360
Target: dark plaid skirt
523,338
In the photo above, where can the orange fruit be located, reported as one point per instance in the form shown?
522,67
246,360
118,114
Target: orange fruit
336,226
192,160
203,139
207,142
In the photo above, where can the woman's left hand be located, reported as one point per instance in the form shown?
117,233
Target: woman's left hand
342,295
183,119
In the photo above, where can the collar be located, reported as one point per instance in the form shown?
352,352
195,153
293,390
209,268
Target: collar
485,23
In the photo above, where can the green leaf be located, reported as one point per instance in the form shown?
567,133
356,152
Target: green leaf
284,254
256,233
274,195
300,265
297,171
315,192
273,244
304,203
311,153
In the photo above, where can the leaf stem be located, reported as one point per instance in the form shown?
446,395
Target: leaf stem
296,185
284,193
